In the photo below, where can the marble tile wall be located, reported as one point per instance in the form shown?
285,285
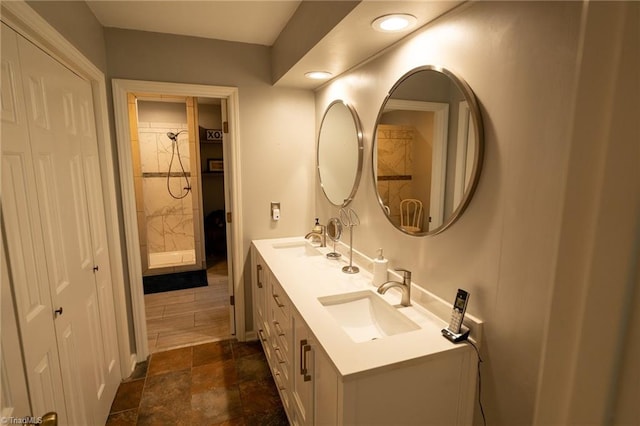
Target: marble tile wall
169,221
395,166
155,146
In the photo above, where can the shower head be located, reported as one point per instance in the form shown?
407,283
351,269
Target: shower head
174,136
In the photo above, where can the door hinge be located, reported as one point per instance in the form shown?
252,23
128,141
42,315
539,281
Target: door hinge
232,300
228,217
225,127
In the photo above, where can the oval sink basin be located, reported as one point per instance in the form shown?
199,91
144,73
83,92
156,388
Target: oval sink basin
365,316
297,249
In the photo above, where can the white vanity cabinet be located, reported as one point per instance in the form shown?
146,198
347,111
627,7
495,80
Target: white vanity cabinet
301,371
273,323
259,291
326,379
315,380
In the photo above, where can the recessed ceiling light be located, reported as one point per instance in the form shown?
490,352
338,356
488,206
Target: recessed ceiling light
393,23
318,75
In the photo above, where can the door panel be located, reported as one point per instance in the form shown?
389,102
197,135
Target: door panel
64,222
56,235
44,384
68,350
8,100
85,260
25,255
49,214
32,297
101,268
14,397
95,334
303,370
100,249
38,110
63,139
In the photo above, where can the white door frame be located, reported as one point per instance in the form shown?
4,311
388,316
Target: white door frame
29,24
439,157
120,90
465,149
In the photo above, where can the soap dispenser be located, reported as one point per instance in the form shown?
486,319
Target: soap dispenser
380,269
317,227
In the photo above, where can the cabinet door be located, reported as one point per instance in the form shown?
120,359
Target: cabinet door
259,291
325,380
303,371
315,381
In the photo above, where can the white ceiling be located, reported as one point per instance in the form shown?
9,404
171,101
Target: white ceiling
349,43
257,22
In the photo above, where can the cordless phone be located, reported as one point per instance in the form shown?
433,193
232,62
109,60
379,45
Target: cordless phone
456,332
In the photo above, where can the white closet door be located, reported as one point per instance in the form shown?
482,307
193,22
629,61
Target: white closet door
57,173
65,154
27,267
100,250
53,129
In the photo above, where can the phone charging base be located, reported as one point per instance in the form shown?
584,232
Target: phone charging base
456,337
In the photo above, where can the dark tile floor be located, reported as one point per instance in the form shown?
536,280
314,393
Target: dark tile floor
219,383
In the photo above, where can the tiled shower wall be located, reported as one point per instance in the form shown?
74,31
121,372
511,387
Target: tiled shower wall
169,221
395,166
165,224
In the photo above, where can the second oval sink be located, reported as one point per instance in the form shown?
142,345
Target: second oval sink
365,316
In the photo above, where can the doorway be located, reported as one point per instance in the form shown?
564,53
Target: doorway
224,169
163,149
185,281
421,129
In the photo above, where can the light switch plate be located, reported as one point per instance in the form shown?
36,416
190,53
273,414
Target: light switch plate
275,210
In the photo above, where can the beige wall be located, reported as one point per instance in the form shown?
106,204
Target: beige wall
277,127
521,59
514,249
75,21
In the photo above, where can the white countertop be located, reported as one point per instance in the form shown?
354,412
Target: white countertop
306,278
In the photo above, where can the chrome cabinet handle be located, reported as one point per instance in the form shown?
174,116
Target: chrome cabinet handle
305,348
279,382
275,297
276,325
57,312
281,360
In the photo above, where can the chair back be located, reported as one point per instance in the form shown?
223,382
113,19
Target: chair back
411,215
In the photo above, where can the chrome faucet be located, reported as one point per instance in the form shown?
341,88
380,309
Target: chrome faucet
405,286
319,232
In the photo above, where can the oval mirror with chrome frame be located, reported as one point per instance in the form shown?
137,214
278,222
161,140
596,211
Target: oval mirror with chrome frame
427,151
339,155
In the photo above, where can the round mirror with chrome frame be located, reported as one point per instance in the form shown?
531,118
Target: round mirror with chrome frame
339,153
427,151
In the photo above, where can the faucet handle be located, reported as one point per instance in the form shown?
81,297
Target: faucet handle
406,274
